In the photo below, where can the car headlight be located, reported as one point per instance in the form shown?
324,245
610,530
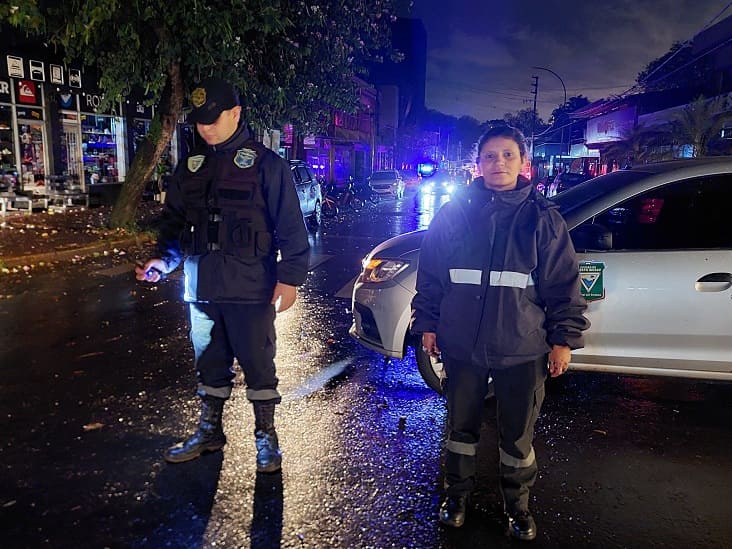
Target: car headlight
381,270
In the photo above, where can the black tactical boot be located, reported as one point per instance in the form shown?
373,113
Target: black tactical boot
521,525
208,438
452,510
269,455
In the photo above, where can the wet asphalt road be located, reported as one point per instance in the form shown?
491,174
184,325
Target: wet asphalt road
97,380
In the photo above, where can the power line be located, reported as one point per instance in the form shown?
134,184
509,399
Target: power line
685,44
694,60
458,85
716,17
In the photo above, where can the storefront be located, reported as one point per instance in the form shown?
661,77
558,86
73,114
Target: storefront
31,135
70,158
317,156
103,141
54,134
8,168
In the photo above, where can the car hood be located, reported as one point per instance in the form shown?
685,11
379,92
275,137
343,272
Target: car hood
399,246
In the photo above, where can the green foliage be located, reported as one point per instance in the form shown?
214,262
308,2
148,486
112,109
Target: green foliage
290,59
677,68
524,121
560,115
700,123
639,145
437,133
23,14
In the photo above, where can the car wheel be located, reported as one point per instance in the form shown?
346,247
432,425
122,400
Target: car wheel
430,369
433,372
317,216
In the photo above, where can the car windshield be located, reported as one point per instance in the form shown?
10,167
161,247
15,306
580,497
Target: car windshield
382,175
589,190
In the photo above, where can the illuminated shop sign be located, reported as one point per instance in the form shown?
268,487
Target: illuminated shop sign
5,91
139,110
15,66
90,102
66,100
27,92
57,74
610,127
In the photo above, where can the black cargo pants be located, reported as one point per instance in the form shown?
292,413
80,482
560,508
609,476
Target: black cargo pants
222,331
519,392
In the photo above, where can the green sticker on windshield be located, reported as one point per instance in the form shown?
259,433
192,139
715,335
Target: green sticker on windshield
591,283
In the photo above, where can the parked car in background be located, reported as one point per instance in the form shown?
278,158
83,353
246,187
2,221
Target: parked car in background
655,251
387,182
308,191
564,181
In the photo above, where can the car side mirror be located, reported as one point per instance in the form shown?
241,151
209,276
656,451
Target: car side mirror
592,236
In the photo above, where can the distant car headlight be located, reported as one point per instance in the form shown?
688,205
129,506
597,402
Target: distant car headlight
381,270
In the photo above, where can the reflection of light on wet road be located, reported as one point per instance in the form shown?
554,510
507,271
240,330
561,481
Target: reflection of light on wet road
428,206
318,380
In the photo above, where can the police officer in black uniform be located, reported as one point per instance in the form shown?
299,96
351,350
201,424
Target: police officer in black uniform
231,207
498,297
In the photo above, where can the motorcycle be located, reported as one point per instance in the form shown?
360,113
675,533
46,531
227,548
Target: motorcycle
349,199
365,193
329,207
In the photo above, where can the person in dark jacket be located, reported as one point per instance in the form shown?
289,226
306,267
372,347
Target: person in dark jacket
230,208
498,298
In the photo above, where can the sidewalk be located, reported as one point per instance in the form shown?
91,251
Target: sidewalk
28,241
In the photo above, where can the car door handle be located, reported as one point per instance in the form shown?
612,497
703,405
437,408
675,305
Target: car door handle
714,282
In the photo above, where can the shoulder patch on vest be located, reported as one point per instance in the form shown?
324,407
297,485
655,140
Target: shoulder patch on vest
195,162
244,158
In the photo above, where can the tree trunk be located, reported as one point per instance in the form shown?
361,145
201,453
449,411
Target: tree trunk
124,213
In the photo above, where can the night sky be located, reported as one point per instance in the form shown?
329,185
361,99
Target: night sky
480,53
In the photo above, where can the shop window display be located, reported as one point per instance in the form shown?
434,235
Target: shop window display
8,169
101,147
32,168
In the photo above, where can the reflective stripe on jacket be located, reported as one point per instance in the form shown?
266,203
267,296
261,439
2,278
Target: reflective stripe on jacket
498,278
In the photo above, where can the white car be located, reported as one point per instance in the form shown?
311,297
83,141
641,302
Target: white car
655,249
387,182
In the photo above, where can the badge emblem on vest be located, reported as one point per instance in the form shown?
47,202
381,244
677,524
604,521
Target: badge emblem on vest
245,158
195,162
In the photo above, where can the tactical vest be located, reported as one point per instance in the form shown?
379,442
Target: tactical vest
225,207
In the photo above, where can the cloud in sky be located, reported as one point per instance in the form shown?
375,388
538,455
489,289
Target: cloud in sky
480,53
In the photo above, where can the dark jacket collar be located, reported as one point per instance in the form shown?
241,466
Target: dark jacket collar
236,141
478,191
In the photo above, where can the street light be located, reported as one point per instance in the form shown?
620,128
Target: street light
561,144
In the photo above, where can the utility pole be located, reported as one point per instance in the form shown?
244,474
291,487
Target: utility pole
564,105
535,92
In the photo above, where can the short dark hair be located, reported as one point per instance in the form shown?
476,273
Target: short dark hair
509,132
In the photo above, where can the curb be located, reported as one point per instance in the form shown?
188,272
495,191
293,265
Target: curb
69,253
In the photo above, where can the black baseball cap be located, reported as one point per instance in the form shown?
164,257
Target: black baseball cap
210,98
